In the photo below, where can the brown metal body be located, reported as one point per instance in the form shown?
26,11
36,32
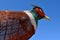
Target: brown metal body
15,26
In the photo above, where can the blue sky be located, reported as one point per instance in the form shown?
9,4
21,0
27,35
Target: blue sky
46,30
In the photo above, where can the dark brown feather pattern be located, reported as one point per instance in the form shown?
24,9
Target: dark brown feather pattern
15,26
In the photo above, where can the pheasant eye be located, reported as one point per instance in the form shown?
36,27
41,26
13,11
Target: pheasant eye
41,13
41,10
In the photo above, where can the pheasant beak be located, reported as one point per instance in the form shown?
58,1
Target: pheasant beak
47,18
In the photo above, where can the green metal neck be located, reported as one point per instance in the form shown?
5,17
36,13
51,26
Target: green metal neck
35,15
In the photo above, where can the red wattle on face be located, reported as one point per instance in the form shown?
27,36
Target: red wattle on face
40,12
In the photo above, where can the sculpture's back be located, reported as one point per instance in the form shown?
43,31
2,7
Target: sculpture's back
15,26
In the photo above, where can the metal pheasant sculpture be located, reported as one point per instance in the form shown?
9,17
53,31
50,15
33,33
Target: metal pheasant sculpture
20,25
